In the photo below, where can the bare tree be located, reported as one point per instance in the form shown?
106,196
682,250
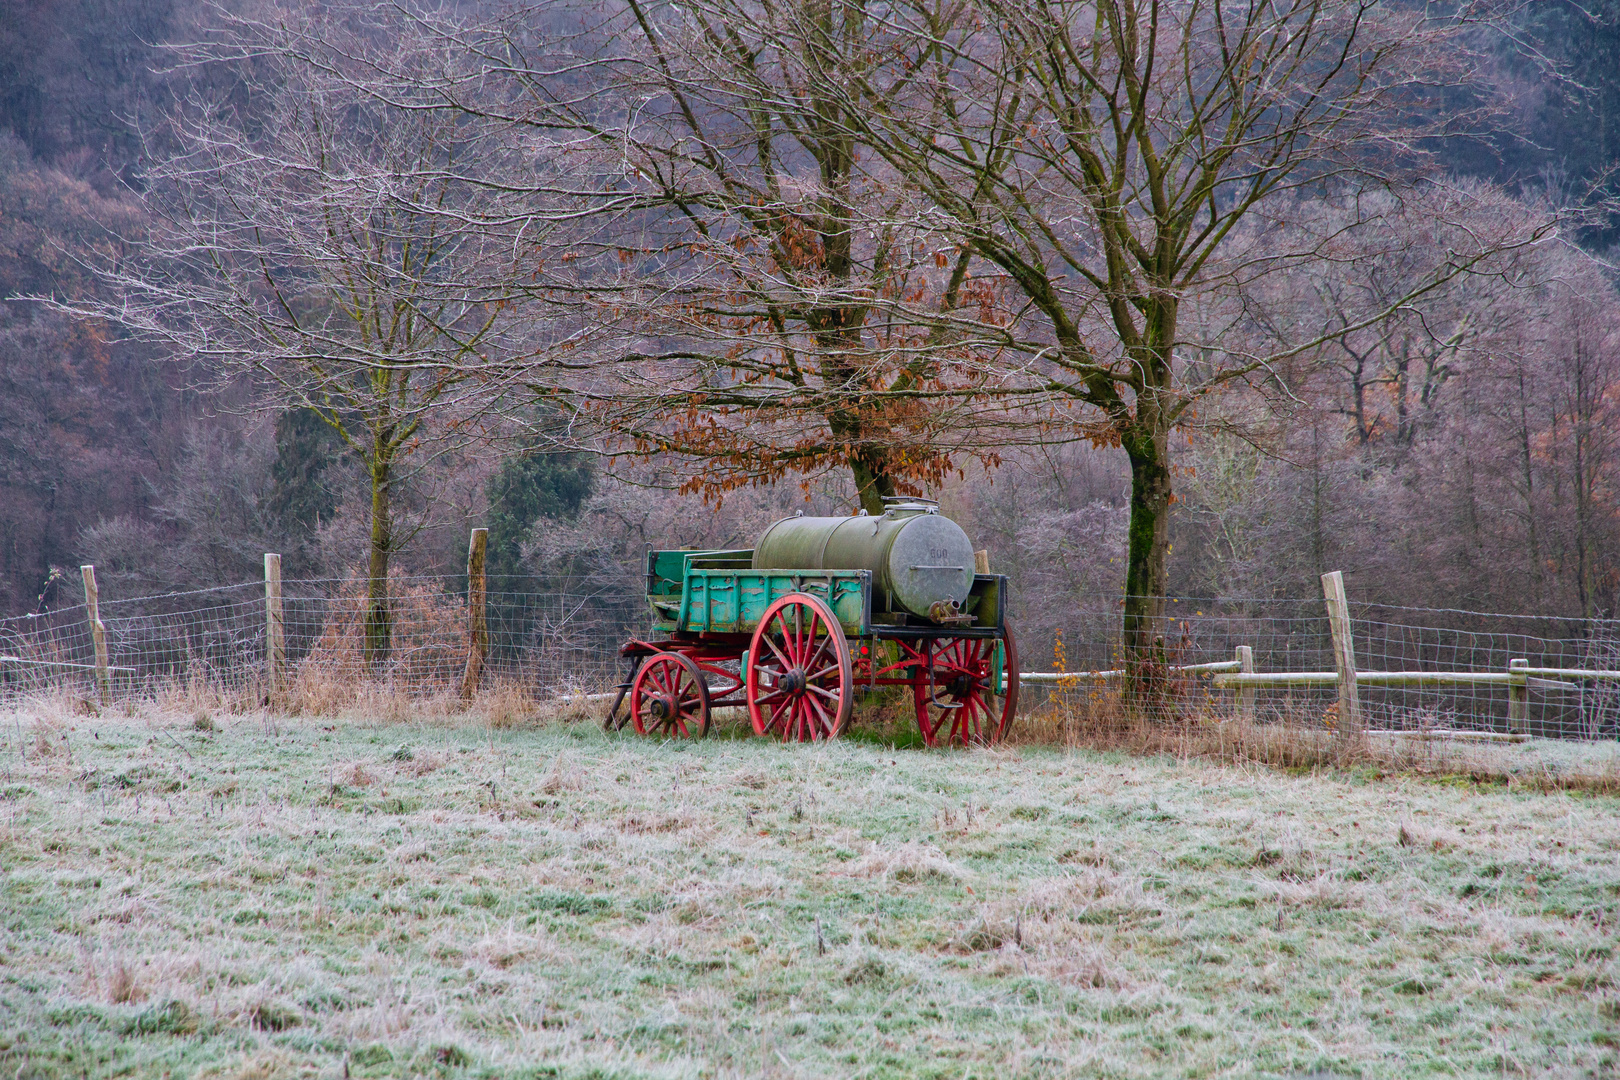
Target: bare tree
1099,156
1094,181
1584,441
332,250
776,309
823,234
1449,453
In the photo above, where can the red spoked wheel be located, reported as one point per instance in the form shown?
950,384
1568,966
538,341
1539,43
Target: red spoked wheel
954,688
670,698
799,683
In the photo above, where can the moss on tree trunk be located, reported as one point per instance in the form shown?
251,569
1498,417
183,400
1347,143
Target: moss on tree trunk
379,620
1147,550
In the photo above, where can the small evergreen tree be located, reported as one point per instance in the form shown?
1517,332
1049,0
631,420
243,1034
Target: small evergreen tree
300,492
529,488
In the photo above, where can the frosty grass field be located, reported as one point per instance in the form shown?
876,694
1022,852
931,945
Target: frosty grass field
328,898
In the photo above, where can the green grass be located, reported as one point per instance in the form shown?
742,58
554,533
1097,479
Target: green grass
297,898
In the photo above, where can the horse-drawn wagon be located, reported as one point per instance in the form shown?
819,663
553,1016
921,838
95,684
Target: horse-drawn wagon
819,611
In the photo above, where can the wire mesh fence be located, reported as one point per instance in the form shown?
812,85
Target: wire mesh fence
552,636
1417,668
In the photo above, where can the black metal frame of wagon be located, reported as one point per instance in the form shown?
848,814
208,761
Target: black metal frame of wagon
778,640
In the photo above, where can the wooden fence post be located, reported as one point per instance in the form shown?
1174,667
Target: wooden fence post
981,561
98,634
1518,696
477,625
1245,695
275,630
1344,654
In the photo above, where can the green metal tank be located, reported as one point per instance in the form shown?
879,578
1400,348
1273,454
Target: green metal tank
921,562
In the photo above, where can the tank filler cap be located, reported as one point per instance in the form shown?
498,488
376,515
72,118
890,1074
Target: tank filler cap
914,504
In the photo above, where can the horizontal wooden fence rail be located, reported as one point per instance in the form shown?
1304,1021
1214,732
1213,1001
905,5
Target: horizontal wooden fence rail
1119,673
67,664
1228,675
1364,678
1518,676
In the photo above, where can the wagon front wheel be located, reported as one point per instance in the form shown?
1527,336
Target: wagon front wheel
958,696
670,698
799,684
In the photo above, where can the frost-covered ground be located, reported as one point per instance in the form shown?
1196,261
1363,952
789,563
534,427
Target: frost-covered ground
305,897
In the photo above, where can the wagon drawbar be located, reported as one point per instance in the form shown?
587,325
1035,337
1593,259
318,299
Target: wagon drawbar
820,610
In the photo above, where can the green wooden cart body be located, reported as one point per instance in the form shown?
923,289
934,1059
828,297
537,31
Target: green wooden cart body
709,594
719,592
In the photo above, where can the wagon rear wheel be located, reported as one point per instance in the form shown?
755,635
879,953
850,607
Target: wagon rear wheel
960,703
670,698
799,683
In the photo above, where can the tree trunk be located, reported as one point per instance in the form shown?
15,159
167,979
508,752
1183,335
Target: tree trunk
379,622
1147,550
872,481
1528,474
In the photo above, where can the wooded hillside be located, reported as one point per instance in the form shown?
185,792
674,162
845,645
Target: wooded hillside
1446,440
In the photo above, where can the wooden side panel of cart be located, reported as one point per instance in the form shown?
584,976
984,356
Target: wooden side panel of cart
707,592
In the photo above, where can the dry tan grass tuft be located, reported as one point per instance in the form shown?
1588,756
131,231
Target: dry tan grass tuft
122,986
505,704
574,708
1097,719
420,765
326,690
1092,855
508,946
749,778
657,823
414,852
389,701
910,861
46,739
1067,895
319,691
565,774
267,1065
1089,967
353,774
194,693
